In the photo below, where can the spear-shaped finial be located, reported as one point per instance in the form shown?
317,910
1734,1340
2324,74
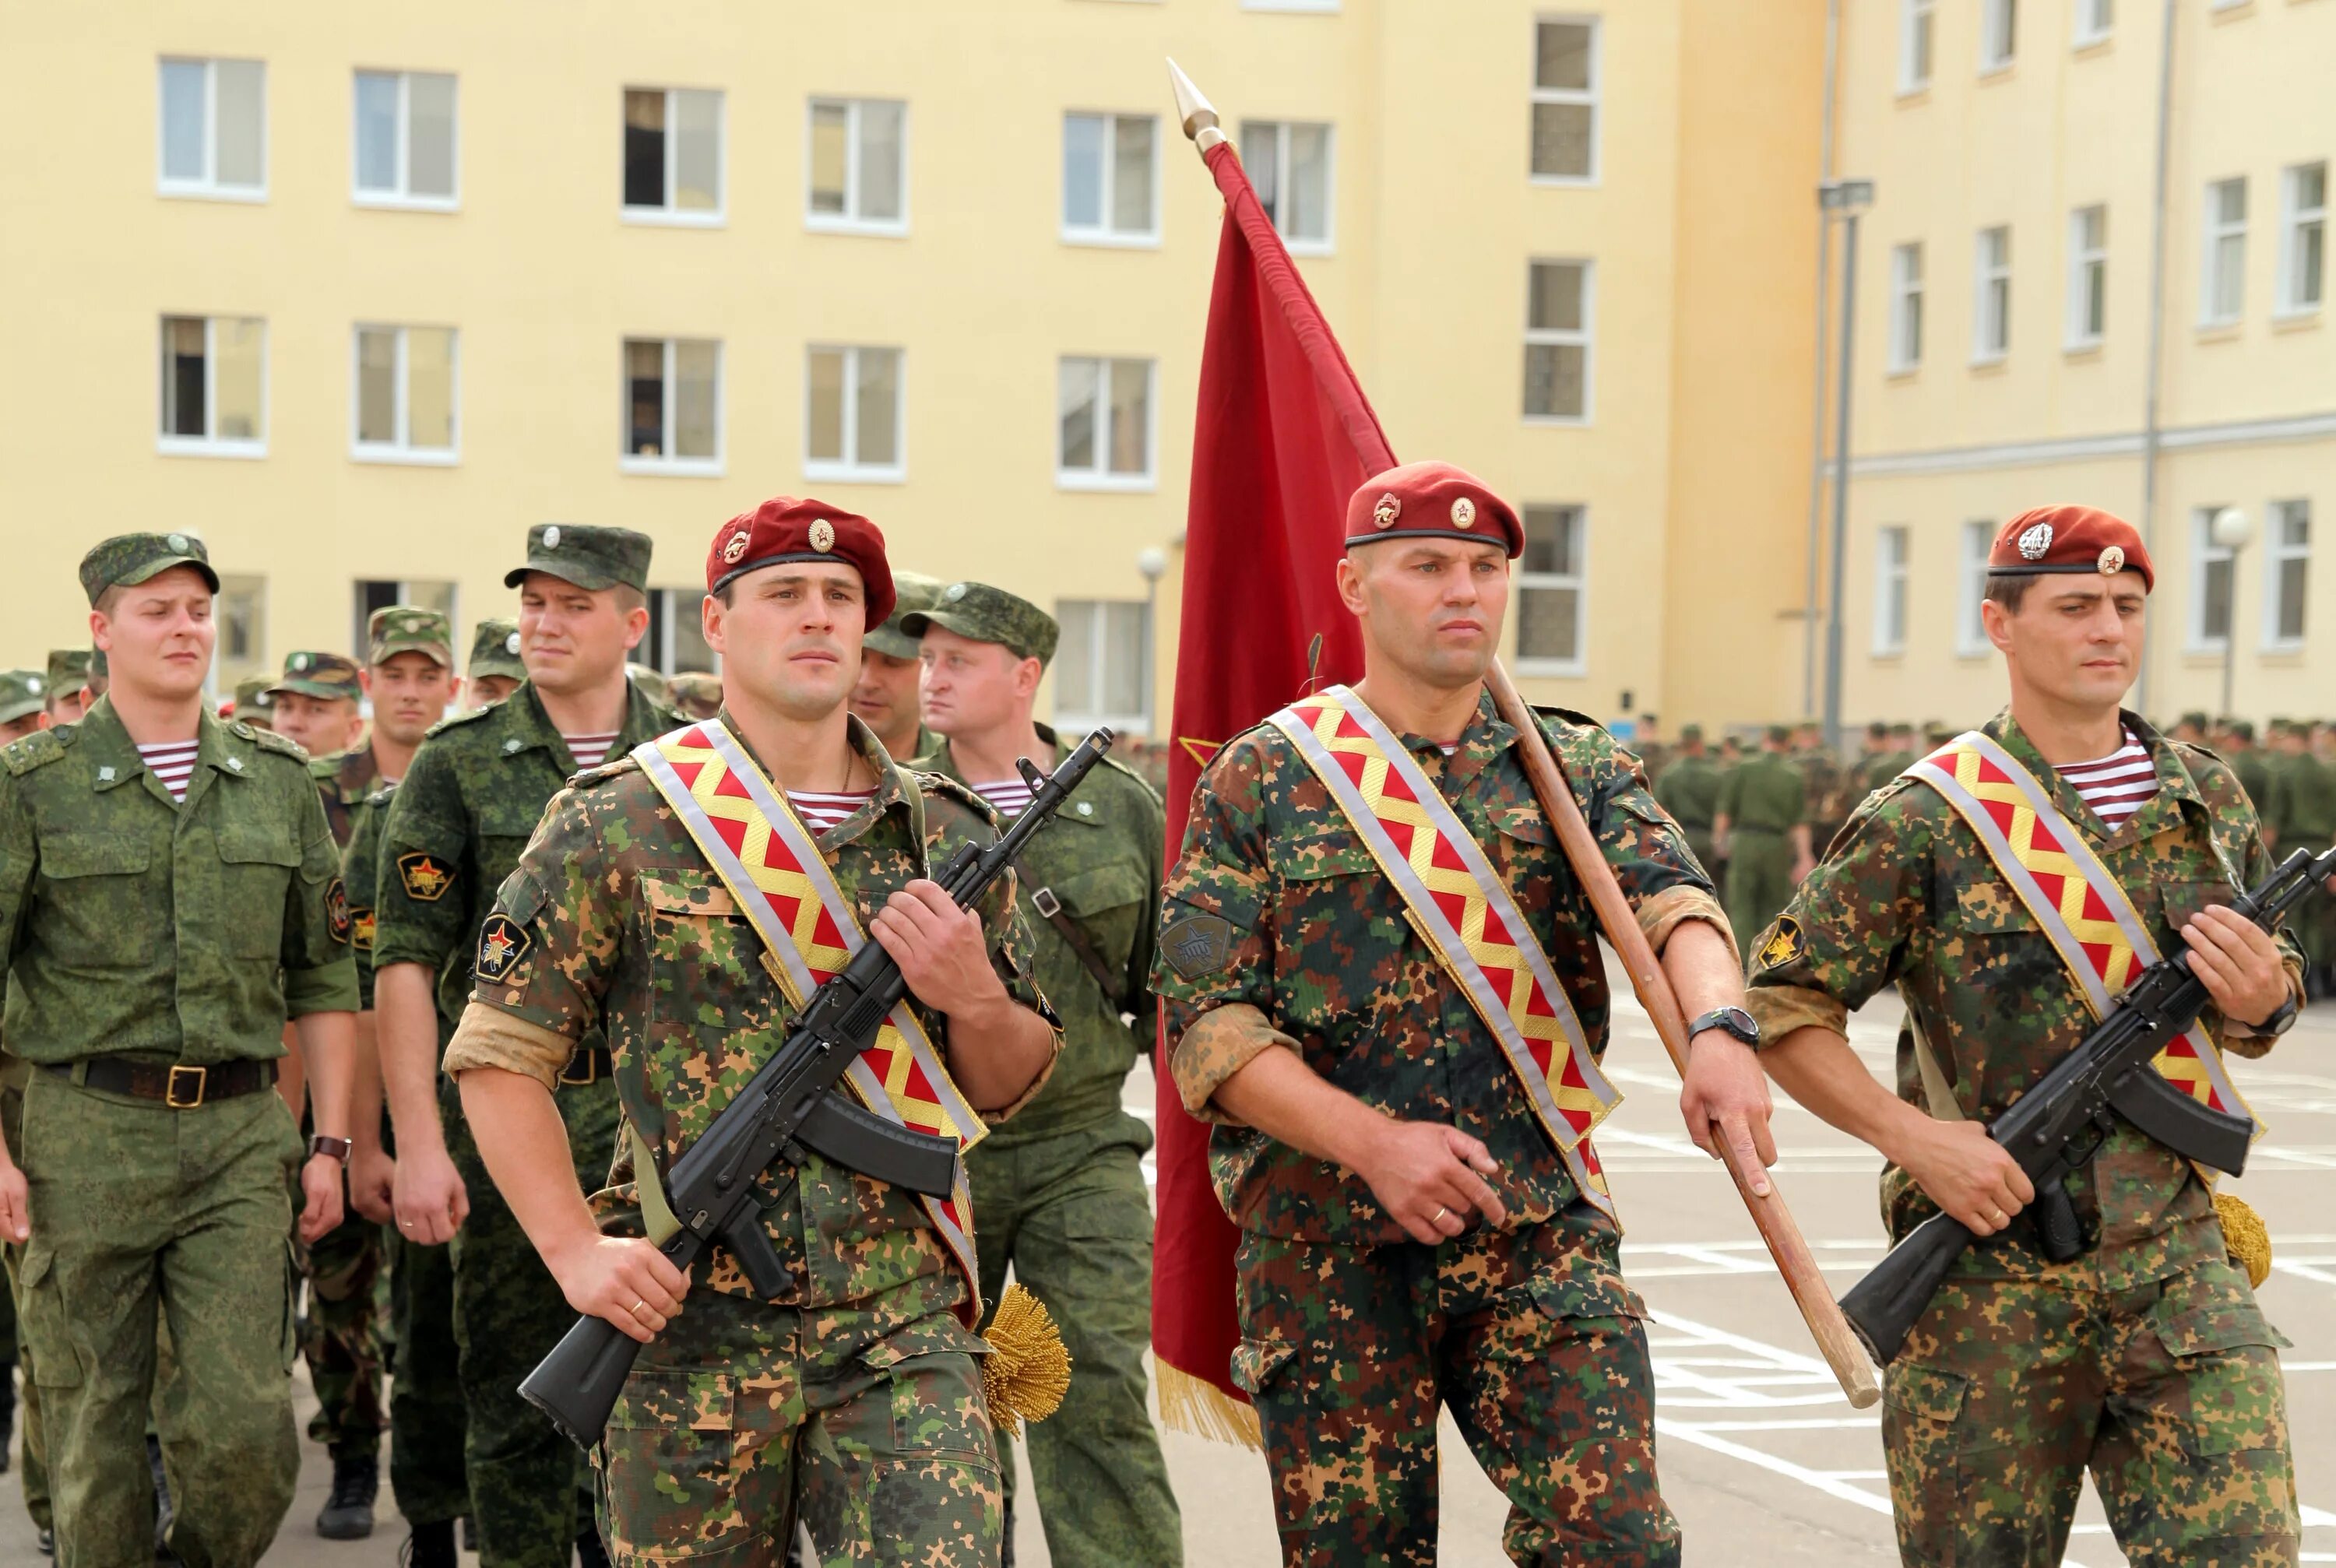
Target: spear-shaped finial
1197,114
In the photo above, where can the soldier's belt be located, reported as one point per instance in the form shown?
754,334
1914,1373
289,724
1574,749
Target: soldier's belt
585,1067
175,1085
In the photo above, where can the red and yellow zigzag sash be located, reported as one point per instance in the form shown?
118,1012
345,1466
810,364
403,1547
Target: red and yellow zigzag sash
1458,903
771,865
2086,916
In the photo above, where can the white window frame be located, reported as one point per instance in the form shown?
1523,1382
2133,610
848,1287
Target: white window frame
1584,335
669,216
2214,229
2095,22
683,467
402,198
2204,553
1577,579
851,469
1917,20
2083,261
399,451
1892,548
1104,234
679,607
848,221
2293,220
208,188
210,445
1904,289
1998,35
1101,477
1070,721
1976,538
1281,128
1588,96
1985,275
2278,553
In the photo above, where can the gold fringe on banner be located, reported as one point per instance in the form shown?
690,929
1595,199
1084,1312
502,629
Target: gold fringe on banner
1195,1405
1028,1368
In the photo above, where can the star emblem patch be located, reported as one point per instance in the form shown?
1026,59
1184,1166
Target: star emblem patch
361,925
337,919
502,942
1198,944
1784,944
424,877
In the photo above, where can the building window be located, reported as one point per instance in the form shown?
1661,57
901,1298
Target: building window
858,179
2287,559
1565,100
2089,276
1914,44
1906,306
1103,423
240,611
1288,165
2210,584
673,155
374,593
1970,582
2302,238
1552,618
1999,34
2095,19
853,420
1102,665
214,385
405,139
2223,285
1557,341
405,396
1991,307
1111,178
673,405
675,639
214,126
1890,591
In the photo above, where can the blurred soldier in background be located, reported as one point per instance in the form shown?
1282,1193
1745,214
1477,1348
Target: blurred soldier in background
23,708
253,706
316,703
495,670
67,677
696,693
885,696
1764,825
1689,791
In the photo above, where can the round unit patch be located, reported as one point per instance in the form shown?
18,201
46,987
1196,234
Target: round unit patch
823,535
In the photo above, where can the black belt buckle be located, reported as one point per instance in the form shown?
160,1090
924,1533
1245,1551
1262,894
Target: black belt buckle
591,1060
170,1095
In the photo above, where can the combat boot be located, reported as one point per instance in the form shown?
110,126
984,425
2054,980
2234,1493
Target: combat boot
347,1514
430,1546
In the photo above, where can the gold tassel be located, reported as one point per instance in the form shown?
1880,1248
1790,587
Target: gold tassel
2245,1236
1028,1370
1195,1405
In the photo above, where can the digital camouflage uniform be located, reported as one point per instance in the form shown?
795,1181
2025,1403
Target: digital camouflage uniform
2145,1359
1763,798
2303,805
1824,786
1689,791
1278,929
851,1400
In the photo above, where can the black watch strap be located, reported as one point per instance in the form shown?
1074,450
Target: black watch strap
2277,1024
337,1148
1734,1020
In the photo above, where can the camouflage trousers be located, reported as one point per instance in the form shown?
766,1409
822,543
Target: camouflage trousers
32,1463
1528,1336
1071,1213
742,1418
1759,882
342,1338
146,1219
426,1473
2169,1393
530,1492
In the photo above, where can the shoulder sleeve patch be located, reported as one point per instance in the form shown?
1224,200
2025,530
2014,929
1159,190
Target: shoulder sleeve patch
35,750
338,918
1197,944
361,929
1785,942
502,942
424,876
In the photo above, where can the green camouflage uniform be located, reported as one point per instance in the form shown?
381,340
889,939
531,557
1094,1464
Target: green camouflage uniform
852,1398
1763,799
156,932
1352,1333
2145,1360
494,650
68,670
2303,806
1061,1193
1689,791
1824,786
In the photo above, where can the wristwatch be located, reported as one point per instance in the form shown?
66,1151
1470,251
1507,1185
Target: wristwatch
2277,1024
1735,1020
338,1148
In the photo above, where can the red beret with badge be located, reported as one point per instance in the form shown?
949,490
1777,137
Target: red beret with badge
1431,500
2071,541
784,529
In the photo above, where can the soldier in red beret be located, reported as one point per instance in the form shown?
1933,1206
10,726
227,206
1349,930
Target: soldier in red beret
2009,885
849,1401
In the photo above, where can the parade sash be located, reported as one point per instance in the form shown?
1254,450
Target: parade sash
1461,907
2084,913
771,866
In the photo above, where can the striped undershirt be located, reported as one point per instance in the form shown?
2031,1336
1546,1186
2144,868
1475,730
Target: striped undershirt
2116,785
1011,797
821,812
589,750
173,761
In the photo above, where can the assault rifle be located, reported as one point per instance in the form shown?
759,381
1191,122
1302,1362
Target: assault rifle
2059,1124
790,1106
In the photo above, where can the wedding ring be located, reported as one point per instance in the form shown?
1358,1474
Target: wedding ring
1440,1211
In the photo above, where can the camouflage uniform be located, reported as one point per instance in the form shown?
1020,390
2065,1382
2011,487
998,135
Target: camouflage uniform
2145,1359
696,693
1763,798
145,930
912,592
1280,929
851,1399
2304,797
1689,791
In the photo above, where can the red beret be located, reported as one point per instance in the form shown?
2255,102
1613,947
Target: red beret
1431,500
2057,539
786,529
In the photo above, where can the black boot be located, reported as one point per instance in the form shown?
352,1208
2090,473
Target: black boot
430,1546
164,1510
589,1553
1005,1537
8,1411
347,1514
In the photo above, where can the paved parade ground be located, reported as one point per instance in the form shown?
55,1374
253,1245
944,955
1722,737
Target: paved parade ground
1762,1459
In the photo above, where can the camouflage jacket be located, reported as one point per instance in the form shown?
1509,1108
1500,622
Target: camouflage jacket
1909,895
1100,859
345,780
458,820
1689,791
1763,794
2303,802
1823,786
140,926
624,927
361,872
1276,907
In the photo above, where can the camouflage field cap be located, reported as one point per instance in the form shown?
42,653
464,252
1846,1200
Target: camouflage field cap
494,650
68,669
651,682
912,592
128,559
592,558
320,675
695,686
986,614
409,629
253,697
22,691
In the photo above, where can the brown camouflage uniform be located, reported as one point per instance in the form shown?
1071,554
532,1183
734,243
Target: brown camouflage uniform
1280,929
852,1398
2145,1359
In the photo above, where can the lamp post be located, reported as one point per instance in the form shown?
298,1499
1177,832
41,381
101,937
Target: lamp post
1153,562
2231,530
1849,198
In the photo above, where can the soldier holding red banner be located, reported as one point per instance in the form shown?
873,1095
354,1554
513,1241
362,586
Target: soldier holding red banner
2011,885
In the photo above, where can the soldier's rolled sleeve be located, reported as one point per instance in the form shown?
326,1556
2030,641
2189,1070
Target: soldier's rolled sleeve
320,975
1665,912
1213,971
425,818
1219,1043
489,1037
1852,922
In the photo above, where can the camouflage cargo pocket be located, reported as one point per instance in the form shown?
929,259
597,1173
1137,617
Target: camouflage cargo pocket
1923,1438
678,1473
1256,1363
935,1384
2222,1393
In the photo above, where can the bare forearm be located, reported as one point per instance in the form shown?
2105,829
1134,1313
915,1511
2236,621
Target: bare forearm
365,1091
327,1045
1702,970
291,1074
405,1036
524,1143
1817,1068
996,1052
1282,1097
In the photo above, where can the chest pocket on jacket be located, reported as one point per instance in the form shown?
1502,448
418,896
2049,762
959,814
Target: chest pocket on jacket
74,855
256,864
504,828
694,923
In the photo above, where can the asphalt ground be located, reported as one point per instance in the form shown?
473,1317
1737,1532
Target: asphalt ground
1762,1459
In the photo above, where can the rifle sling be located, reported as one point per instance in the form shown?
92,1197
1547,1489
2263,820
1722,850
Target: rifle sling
1941,1097
1050,909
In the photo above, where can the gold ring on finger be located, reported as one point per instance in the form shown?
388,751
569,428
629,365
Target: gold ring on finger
1440,1211
639,1307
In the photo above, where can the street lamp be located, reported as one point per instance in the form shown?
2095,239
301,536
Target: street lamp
1848,198
1153,562
2231,530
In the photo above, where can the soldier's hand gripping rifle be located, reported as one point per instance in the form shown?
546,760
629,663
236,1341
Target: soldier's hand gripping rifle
2060,1122
790,1106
